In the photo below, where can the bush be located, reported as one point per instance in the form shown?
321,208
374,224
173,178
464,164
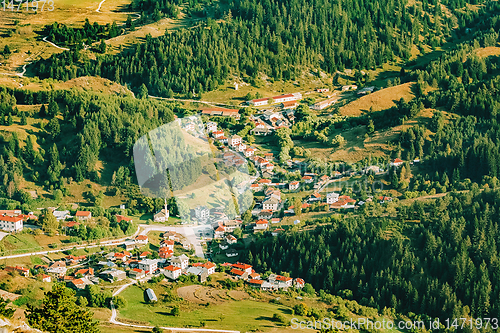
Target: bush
279,318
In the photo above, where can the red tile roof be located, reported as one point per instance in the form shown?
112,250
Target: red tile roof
82,213
172,268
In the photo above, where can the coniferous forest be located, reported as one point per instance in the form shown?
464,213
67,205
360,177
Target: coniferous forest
279,39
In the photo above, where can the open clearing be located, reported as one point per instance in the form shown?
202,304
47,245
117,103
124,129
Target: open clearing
378,100
221,314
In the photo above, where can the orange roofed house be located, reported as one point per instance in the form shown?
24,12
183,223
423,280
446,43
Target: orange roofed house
83,215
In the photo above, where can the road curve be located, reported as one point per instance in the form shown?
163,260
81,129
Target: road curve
54,45
99,8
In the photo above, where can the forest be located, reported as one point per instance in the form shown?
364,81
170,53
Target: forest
262,37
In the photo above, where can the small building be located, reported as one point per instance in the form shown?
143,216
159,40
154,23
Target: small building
82,215
181,261
200,272
150,296
261,225
397,162
202,213
210,266
58,268
292,186
148,265
324,104
80,284
21,270
11,224
172,272
136,273
235,140
231,253
239,274
113,275
141,239
332,197
162,215
298,283
211,126
224,245
270,204
366,90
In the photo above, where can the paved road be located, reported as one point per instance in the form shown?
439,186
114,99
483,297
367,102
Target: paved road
113,242
3,234
99,8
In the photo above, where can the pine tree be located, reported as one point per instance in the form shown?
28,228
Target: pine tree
59,313
24,119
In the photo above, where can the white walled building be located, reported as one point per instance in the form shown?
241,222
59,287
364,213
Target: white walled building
11,224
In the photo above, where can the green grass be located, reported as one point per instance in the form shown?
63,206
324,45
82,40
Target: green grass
21,242
250,314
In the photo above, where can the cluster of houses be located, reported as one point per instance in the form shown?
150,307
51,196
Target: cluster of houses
274,282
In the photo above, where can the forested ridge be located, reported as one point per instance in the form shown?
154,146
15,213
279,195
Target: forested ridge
280,39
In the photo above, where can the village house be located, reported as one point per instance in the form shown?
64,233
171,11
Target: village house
172,272
83,215
249,151
58,268
230,239
113,275
167,243
222,139
231,225
202,213
210,266
81,283
307,179
277,231
218,134
44,277
200,272
60,215
261,225
292,186
397,162
299,283
265,214
211,127
275,220
11,224
281,281
73,260
165,252
21,270
219,232
221,112
270,204
122,256
315,197
332,197
324,104
181,261
148,265
85,272
136,273
144,254
235,140
141,240
120,218
239,274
